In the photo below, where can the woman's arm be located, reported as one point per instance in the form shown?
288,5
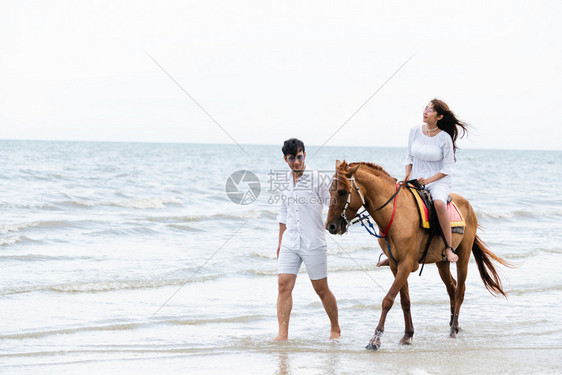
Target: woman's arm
436,177
408,171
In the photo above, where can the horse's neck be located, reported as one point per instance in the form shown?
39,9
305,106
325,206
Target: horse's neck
376,190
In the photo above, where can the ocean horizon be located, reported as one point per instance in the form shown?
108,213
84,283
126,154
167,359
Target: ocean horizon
261,144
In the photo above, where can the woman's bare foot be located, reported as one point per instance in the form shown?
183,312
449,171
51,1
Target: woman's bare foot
281,338
384,262
451,257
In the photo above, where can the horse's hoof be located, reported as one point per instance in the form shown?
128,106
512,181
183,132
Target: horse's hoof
372,346
407,341
375,341
453,333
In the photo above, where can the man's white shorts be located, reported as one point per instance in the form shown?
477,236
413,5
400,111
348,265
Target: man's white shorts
315,260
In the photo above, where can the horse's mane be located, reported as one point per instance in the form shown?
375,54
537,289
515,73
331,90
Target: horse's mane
375,169
371,168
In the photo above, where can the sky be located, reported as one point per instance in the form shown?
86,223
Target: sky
349,73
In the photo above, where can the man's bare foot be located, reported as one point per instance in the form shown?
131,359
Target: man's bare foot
451,257
281,338
335,334
384,262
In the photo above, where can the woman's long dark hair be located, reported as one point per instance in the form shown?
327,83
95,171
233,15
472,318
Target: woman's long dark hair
449,123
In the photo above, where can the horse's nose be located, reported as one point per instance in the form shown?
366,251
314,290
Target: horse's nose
332,228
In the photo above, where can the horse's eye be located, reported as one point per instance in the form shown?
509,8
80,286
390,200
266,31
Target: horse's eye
341,192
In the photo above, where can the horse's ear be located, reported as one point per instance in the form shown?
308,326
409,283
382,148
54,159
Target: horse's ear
351,171
341,165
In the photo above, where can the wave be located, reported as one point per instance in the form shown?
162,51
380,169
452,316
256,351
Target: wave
535,290
374,302
146,203
19,227
39,175
128,326
12,240
28,205
17,232
135,230
272,272
253,214
532,213
531,253
366,267
140,203
272,255
41,258
183,218
9,240
106,285
366,306
185,228
371,251
232,319
66,331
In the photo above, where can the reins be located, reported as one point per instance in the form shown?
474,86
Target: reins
365,216
362,217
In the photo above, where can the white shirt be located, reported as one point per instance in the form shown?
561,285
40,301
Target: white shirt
430,155
301,211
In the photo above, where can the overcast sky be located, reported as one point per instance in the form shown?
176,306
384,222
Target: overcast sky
269,70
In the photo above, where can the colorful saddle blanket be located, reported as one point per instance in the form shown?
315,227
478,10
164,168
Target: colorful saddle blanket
455,215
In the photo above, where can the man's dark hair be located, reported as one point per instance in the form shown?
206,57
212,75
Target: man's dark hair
292,147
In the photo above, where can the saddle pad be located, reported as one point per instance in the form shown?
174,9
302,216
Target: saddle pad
454,213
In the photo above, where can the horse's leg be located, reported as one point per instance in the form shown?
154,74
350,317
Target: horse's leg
400,277
462,268
409,325
450,284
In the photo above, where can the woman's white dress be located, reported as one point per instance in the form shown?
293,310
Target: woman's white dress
429,156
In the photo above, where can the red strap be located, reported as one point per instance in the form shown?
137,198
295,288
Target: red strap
383,233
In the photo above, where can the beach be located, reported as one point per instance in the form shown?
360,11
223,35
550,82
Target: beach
131,258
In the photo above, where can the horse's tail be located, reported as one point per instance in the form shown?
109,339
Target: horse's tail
488,273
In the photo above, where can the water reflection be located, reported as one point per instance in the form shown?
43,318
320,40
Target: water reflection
283,364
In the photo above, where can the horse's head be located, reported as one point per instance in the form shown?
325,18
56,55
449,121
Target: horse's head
341,211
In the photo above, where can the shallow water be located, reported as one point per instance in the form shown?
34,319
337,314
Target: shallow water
130,258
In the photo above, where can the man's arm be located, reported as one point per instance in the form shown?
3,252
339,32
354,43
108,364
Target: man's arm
282,219
324,190
282,229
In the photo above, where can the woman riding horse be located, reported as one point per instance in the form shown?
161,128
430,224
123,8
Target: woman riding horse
431,160
395,209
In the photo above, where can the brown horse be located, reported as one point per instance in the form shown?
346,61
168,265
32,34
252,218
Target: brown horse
368,185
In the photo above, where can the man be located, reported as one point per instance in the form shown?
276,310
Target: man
302,238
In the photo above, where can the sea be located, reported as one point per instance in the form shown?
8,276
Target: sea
141,258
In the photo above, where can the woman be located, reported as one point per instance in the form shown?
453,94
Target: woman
431,160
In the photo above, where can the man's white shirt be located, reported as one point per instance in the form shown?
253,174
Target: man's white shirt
301,211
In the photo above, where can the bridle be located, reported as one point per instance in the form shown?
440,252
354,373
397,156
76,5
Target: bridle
360,215
352,184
